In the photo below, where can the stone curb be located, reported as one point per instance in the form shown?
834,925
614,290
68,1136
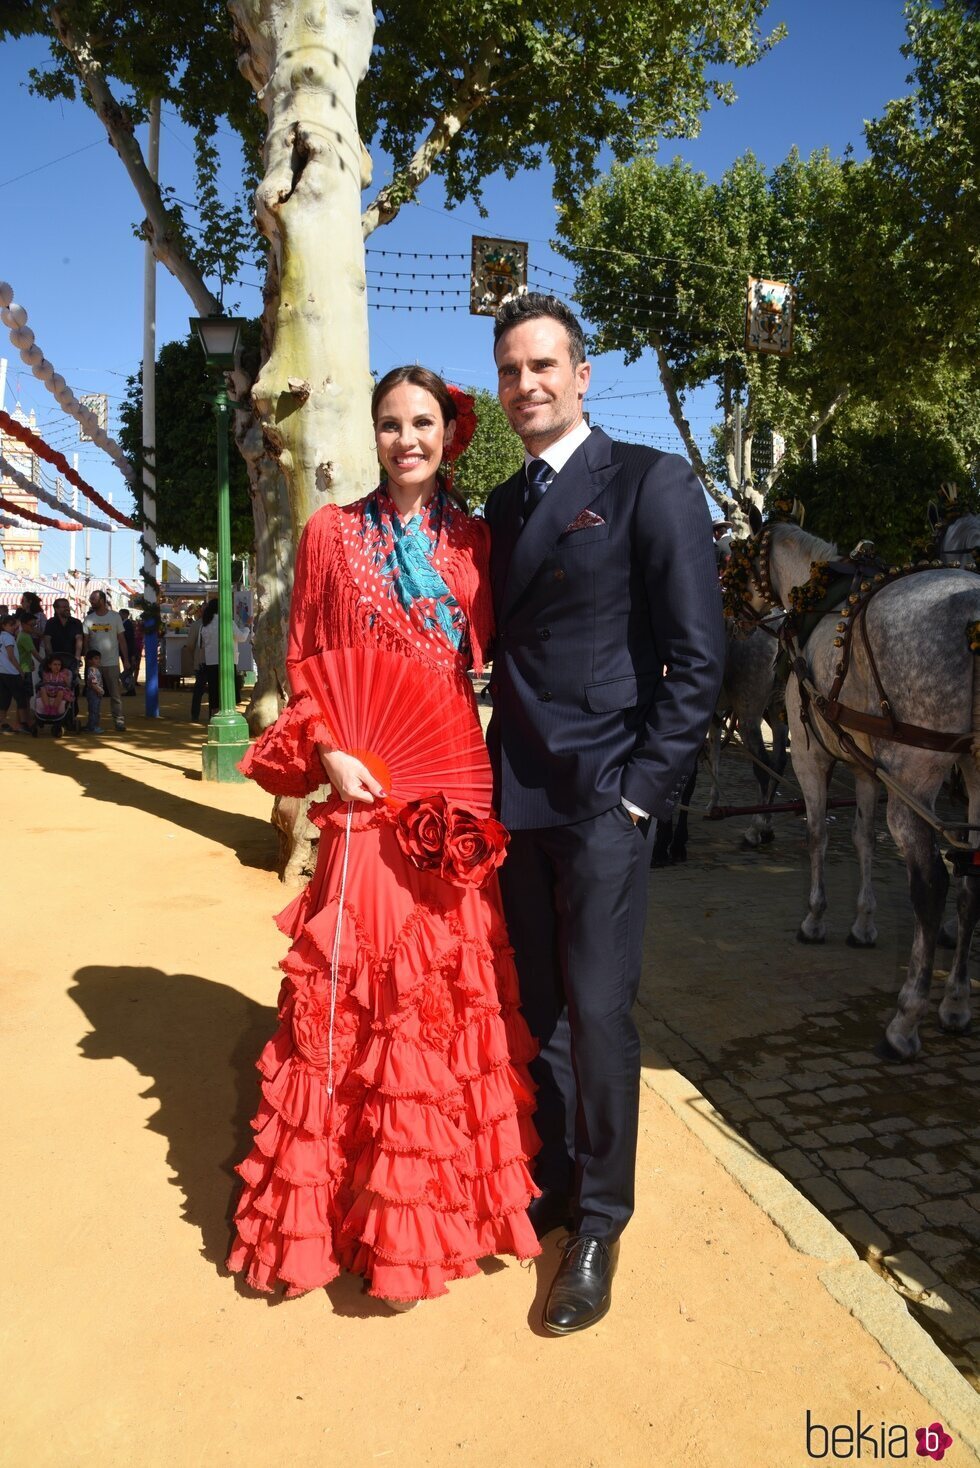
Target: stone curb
851,1281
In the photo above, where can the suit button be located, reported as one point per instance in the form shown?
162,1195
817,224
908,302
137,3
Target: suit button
544,633
559,574
545,697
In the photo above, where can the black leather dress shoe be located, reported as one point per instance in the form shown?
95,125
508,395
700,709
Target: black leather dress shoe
552,1210
582,1290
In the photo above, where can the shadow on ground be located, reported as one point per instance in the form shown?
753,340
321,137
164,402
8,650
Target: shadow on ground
196,1042
172,746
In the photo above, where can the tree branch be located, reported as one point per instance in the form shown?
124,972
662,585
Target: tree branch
168,250
474,92
680,421
818,421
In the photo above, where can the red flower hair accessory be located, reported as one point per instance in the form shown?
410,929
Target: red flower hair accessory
465,422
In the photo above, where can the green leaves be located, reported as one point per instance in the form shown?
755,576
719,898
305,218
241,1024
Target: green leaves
494,454
186,469
560,81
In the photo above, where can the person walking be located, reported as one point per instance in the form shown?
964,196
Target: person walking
209,644
608,660
104,634
15,689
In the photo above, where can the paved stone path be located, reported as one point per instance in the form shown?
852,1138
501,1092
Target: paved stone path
779,1036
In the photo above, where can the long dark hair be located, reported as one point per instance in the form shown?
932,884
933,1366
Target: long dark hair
433,384
210,612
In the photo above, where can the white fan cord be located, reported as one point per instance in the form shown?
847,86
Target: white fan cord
335,956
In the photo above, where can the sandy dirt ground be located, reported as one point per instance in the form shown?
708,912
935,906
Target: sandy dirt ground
138,984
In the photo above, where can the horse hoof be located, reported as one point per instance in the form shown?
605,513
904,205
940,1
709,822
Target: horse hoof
766,838
678,853
955,1029
658,860
885,1050
853,942
748,845
802,937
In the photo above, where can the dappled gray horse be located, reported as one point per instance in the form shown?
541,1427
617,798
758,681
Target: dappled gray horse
916,630
752,692
957,539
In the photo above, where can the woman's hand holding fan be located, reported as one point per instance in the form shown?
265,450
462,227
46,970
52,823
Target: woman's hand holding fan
349,778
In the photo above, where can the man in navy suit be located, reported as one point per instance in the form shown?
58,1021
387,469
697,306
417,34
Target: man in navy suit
604,575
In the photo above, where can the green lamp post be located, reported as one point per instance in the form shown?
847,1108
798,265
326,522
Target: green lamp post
227,738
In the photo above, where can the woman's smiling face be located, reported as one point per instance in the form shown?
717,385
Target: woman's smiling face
411,435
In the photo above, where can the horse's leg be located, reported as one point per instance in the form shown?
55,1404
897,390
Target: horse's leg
812,766
714,760
863,931
660,856
954,1011
678,845
948,933
759,831
928,884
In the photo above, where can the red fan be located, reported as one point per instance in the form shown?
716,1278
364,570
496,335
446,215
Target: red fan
415,734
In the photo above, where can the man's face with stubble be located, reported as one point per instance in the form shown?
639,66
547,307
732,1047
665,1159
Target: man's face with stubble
539,387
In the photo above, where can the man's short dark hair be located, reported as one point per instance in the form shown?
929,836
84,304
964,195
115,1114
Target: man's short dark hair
532,307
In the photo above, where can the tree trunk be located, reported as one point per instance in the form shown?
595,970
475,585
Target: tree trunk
312,393
305,62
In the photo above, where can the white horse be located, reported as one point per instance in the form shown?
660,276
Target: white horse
916,629
752,693
957,539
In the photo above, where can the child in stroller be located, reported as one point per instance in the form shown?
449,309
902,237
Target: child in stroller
54,702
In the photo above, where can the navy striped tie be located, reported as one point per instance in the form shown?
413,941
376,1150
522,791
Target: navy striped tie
539,474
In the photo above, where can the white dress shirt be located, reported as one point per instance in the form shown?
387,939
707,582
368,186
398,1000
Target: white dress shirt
557,454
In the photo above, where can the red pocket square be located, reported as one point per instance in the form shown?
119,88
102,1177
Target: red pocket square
584,521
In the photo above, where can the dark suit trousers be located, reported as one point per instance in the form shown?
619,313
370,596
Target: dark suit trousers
575,899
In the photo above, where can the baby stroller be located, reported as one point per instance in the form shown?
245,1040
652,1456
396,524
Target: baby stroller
54,698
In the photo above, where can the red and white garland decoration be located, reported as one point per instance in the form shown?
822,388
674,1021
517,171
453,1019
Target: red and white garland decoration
37,445
14,317
25,514
29,486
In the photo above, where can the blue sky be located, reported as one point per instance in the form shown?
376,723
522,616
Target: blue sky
67,212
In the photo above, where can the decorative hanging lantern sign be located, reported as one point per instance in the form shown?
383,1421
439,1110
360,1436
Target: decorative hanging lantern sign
769,317
498,271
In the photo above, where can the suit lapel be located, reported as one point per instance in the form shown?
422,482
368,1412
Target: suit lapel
585,476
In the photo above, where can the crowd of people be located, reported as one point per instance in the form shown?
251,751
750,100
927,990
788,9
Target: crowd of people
48,664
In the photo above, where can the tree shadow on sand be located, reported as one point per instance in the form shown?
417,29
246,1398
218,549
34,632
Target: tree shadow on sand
196,1041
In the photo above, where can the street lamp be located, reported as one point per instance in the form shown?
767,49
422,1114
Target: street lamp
227,731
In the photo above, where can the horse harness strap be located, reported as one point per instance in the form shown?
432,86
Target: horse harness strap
840,716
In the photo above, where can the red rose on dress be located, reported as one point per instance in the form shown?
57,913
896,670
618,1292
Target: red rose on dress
474,848
311,1025
421,829
439,837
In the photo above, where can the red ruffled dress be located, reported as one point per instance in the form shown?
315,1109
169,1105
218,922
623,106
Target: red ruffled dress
417,1165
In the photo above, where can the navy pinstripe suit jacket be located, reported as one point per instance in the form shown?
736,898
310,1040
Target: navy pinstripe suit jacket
587,619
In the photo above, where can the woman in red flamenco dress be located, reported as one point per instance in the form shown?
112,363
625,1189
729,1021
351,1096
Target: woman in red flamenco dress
394,1130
